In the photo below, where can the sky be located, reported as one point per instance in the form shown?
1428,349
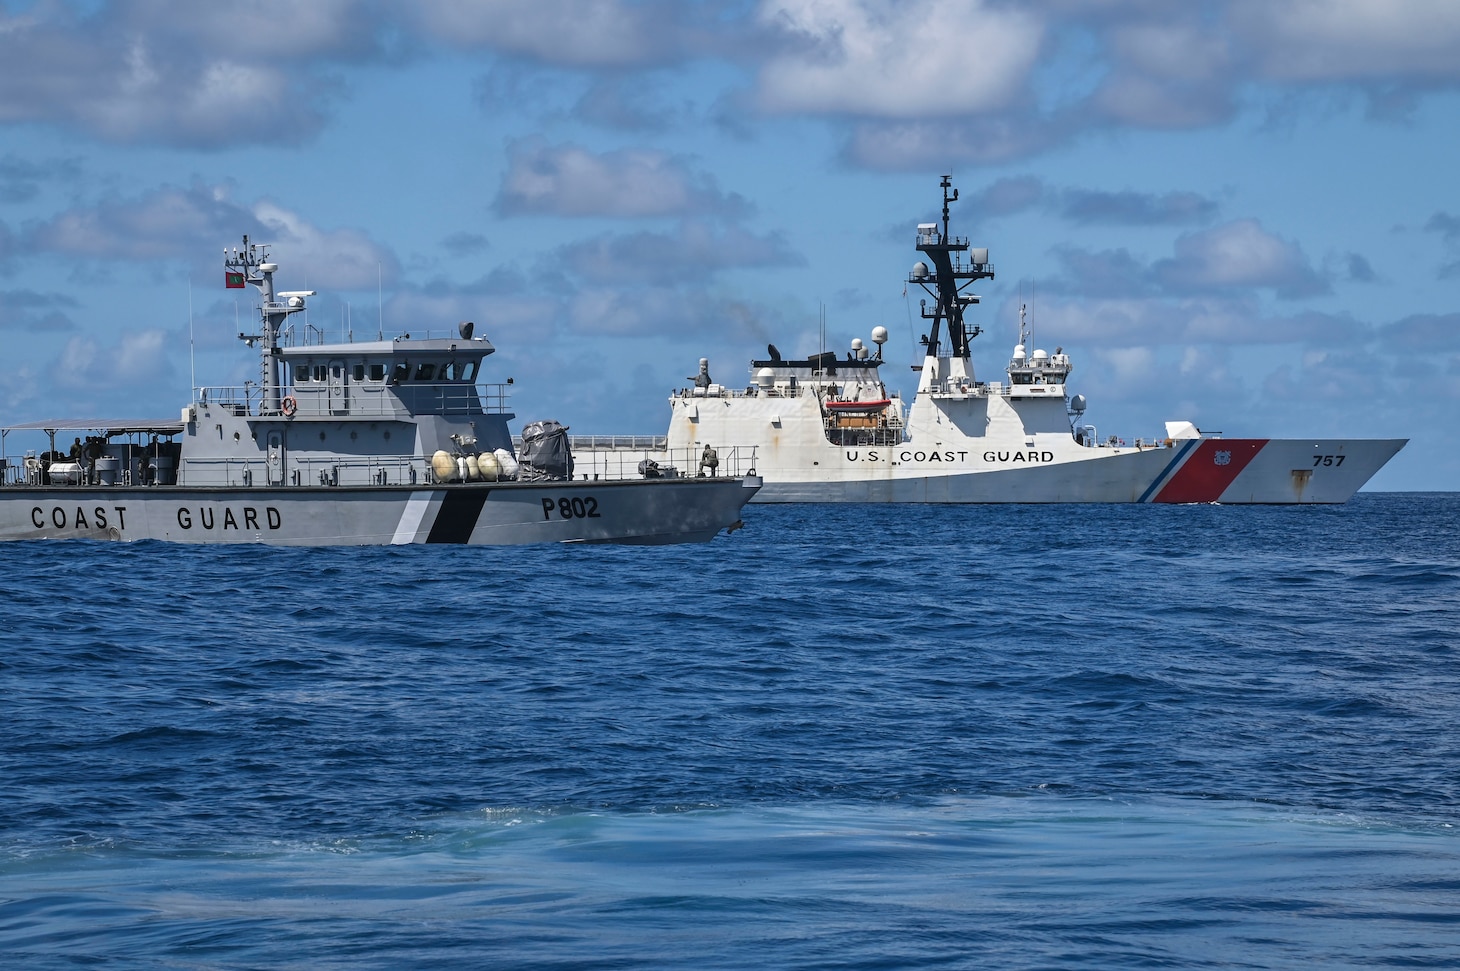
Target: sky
1242,213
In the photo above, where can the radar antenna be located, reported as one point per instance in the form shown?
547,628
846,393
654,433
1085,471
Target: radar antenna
951,275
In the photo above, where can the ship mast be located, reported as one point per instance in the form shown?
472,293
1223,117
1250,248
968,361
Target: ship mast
252,263
951,274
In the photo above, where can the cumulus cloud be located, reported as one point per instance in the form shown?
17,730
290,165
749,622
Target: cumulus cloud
1166,75
1233,258
694,252
911,59
1351,40
1150,322
1135,208
1011,195
963,81
152,71
167,223
1424,332
193,224
568,180
1446,225
1239,254
575,33
27,310
88,366
465,244
21,179
345,259
666,311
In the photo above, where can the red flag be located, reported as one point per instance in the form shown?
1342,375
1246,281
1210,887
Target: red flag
233,281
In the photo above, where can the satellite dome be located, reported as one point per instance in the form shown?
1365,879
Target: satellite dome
920,270
879,335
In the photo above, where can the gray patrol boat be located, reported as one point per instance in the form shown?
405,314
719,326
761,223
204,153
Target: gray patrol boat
340,444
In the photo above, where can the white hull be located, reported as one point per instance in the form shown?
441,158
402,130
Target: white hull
637,512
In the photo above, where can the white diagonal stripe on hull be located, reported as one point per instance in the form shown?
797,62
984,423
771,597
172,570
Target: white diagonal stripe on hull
410,519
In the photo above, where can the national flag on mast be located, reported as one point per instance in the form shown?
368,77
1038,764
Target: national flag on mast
234,281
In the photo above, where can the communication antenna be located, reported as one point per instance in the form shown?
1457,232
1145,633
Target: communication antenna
380,298
192,362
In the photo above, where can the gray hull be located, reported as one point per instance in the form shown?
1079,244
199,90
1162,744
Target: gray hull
651,512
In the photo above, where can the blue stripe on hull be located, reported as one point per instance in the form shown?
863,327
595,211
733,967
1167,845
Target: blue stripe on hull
1167,472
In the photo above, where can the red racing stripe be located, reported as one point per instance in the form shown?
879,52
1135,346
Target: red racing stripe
1211,468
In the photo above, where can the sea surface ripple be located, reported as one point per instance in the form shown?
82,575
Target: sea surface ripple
846,736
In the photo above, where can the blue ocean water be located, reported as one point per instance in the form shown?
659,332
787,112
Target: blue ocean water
844,737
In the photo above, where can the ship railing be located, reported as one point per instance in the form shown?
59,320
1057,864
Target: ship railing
369,400
797,390
364,470
624,461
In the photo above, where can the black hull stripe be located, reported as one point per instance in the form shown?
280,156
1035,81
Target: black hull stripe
457,517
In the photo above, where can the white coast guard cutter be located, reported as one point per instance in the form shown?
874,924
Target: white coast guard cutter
826,429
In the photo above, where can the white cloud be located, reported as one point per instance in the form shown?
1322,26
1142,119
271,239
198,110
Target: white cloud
575,33
904,60
344,259
86,366
568,180
1239,254
194,224
1352,40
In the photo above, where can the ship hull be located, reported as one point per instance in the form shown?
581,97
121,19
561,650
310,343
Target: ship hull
1205,470
1229,471
641,512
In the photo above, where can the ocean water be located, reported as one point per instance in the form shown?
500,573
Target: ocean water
844,737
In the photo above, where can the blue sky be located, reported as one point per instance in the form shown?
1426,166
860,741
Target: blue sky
1238,212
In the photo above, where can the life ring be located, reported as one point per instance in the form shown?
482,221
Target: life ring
288,406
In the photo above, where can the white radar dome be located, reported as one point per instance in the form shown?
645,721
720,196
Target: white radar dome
920,270
1040,355
879,335
1018,352
856,343
765,377
1077,404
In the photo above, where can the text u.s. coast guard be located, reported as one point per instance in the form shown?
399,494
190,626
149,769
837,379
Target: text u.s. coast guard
990,457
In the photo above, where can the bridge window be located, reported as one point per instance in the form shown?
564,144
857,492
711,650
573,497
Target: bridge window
359,374
377,372
401,373
425,372
468,370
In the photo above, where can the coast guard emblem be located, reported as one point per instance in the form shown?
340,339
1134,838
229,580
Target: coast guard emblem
1222,458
